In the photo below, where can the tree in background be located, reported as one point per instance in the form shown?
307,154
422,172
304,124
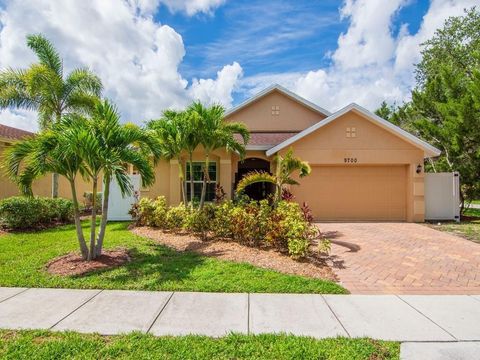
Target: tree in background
445,106
44,88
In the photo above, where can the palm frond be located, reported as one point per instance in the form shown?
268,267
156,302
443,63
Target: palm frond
254,178
83,80
46,52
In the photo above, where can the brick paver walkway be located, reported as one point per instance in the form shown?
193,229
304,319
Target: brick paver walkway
402,258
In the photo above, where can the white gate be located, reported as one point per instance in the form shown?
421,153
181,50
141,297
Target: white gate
119,206
442,196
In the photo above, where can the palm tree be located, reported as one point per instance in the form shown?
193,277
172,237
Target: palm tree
44,88
49,151
108,147
190,127
284,169
216,133
87,146
170,130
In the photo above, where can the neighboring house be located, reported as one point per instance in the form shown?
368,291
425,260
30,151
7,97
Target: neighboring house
42,186
363,167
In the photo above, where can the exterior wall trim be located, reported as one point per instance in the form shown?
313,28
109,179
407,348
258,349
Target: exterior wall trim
429,150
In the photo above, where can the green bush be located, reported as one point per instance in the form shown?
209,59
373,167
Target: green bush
221,225
288,230
20,213
286,227
142,212
160,212
176,217
198,222
88,201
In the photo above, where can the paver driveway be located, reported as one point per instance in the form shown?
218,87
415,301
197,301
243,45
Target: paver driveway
402,258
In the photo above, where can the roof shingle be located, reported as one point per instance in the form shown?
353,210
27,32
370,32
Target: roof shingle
12,133
268,138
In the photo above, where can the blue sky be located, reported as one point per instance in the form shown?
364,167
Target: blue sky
275,36
154,55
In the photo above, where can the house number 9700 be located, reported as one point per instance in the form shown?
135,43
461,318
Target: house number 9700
350,160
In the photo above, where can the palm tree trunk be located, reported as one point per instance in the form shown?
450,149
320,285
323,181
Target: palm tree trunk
103,223
206,181
55,185
78,224
191,179
182,181
55,175
93,220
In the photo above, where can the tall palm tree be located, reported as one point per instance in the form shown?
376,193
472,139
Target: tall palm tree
216,133
87,146
284,169
108,147
44,88
190,127
170,130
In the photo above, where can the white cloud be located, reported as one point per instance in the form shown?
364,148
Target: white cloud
368,39
192,7
21,119
370,64
136,57
218,90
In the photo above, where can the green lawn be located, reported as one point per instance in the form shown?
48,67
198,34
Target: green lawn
467,229
472,212
51,345
23,257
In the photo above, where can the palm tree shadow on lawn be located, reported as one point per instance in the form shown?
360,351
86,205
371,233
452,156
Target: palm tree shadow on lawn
158,265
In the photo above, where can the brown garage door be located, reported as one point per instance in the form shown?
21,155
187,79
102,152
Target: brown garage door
355,192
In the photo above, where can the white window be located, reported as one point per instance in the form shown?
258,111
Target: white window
275,109
198,174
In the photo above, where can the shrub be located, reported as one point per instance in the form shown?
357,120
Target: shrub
198,221
142,212
289,231
176,217
88,201
19,213
221,225
160,209
243,223
62,209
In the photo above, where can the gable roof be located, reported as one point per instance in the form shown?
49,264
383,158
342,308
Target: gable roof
429,150
286,92
11,133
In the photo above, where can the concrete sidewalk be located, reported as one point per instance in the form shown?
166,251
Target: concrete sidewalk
406,318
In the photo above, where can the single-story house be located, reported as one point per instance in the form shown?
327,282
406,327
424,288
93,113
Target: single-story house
363,167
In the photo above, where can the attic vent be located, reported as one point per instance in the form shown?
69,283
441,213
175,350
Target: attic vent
275,109
351,132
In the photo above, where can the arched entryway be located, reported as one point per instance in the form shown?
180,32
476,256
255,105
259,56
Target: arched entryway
257,191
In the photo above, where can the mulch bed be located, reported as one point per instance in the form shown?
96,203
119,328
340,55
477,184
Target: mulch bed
314,266
73,264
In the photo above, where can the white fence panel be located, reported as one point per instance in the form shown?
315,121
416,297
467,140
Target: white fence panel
119,206
442,196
